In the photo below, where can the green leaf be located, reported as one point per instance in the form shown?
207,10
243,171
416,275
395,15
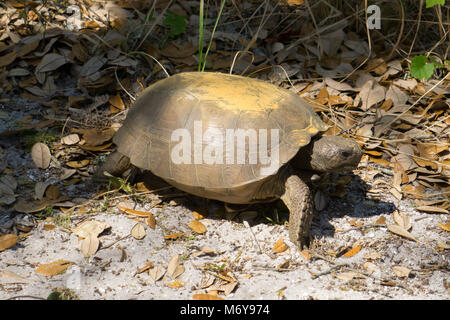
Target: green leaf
431,3
420,68
176,22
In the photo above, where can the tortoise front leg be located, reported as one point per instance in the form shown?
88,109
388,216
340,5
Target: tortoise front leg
297,198
116,164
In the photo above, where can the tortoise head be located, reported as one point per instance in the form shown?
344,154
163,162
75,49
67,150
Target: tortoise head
330,154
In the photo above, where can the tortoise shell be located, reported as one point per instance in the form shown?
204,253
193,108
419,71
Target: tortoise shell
203,110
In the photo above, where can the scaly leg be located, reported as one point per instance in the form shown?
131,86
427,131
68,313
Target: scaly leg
116,164
297,198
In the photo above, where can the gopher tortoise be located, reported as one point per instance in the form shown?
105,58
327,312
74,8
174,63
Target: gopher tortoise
231,138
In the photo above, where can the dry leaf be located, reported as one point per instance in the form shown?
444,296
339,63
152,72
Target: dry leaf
353,223
48,227
7,59
179,270
229,288
204,250
352,251
52,192
176,284
89,245
32,206
305,254
200,214
116,103
445,227
370,267
67,173
295,2
173,236
78,164
432,209
53,268
11,275
151,222
156,273
371,93
396,193
442,245
96,148
95,137
135,212
280,246
93,227
206,296
401,272
50,62
40,154
402,220
197,226
145,268
39,190
400,231
173,265
7,241
138,231
381,220
70,139
346,276
372,255
397,96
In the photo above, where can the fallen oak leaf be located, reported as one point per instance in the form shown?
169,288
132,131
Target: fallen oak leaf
280,246
176,284
401,272
133,212
432,209
144,268
40,154
7,241
445,227
402,220
206,296
156,273
151,222
352,251
96,148
89,245
173,236
53,268
78,163
197,227
90,227
70,139
174,269
138,231
401,232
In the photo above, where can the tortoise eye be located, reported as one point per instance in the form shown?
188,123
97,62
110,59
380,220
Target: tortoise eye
344,154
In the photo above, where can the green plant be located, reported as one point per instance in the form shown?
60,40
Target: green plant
202,15
177,24
431,3
32,136
47,212
423,67
63,294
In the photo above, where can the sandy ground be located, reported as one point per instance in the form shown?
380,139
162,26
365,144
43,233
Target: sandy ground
233,254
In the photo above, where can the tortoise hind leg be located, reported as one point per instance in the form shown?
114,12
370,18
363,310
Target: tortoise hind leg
297,198
116,164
